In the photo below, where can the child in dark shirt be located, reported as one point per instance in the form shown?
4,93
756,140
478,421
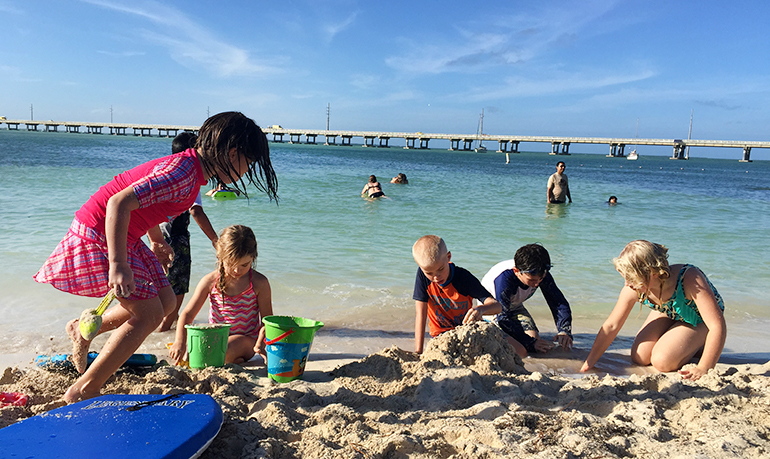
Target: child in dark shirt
514,282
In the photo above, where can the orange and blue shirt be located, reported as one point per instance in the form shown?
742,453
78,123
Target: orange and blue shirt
448,302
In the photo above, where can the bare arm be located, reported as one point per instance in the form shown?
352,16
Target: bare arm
203,221
697,289
160,247
118,217
549,191
489,307
421,313
186,317
264,295
611,327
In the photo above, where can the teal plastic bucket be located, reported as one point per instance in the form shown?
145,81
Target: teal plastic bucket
207,344
288,340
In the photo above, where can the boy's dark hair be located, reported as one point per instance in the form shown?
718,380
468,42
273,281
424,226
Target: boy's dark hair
533,259
183,141
225,131
372,179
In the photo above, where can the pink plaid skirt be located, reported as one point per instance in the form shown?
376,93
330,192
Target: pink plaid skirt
79,265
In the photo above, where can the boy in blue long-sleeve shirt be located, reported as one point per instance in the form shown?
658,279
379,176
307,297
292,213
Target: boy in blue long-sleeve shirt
514,282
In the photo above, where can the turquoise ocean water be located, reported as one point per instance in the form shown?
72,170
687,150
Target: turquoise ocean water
332,256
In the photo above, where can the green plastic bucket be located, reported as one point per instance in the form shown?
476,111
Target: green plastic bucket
207,344
288,340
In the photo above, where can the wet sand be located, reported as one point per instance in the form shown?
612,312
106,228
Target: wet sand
468,395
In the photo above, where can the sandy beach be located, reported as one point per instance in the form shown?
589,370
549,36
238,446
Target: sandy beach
468,395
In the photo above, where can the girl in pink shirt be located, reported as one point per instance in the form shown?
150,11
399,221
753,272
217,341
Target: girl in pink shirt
239,296
103,250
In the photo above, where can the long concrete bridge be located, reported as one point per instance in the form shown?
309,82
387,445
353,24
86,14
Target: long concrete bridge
413,140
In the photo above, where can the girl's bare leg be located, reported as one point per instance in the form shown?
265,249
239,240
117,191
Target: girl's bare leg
144,317
112,319
653,328
240,348
678,345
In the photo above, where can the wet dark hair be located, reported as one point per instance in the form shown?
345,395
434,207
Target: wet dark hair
372,179
532,258
225,131
183,141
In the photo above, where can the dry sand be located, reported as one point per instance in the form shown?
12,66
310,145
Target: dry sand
467,396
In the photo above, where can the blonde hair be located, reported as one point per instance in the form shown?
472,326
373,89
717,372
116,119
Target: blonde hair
429,250
639,260
235,242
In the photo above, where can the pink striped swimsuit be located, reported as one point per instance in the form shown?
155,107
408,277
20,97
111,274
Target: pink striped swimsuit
241,311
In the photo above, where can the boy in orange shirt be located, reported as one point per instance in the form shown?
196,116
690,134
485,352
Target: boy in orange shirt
444,292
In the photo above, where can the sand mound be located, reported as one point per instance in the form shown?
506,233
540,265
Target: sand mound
465,397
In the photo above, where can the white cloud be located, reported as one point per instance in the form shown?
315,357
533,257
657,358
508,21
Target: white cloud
331,30
8,7
122,54
567,83
513,39
14,74
189,43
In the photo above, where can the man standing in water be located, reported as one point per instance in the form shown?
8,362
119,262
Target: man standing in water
558,186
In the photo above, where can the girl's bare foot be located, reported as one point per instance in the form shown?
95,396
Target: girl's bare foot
76,393
80,347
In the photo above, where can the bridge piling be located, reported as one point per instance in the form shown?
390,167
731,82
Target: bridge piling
679,150
746,155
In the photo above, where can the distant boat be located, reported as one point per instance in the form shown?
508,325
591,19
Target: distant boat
633,156
480,148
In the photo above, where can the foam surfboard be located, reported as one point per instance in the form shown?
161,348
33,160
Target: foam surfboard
58,362
118,426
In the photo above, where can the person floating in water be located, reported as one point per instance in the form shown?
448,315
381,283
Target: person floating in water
400,179
373,188
612,201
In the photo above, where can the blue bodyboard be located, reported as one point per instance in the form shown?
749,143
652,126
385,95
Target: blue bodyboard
118,426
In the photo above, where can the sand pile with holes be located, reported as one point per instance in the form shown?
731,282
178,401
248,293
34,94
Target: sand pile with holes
467,396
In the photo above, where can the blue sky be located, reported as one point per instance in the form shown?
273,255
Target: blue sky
581,68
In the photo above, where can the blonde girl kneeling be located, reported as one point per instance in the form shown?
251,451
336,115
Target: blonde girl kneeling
239,296
686,317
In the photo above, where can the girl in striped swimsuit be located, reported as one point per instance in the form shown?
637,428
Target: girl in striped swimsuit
239,297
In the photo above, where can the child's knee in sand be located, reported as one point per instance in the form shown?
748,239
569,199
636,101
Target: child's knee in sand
240,348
